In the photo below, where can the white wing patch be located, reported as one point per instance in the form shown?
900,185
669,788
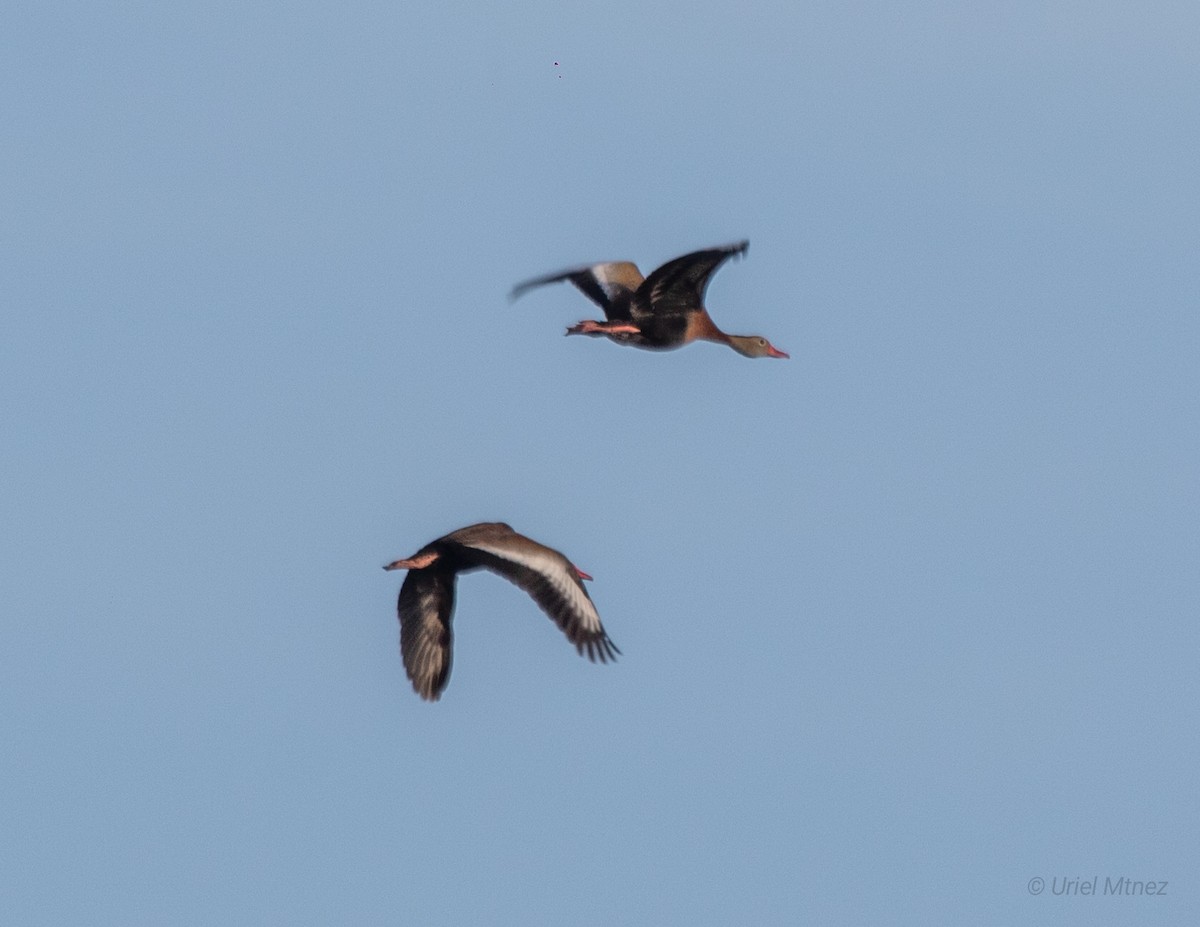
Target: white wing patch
554,569
616,278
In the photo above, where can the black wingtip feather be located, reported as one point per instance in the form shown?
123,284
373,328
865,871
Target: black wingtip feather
599,649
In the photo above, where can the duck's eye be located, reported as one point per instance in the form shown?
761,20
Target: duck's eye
763,342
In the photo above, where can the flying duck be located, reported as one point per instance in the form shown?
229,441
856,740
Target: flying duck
426,602
659,312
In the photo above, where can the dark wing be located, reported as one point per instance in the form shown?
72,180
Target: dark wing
552,582
678,286
610,285
425,607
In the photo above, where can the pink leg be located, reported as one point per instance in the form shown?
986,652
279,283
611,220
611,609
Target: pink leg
590,327
412,563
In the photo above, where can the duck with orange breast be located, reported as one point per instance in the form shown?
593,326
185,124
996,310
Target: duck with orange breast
426,602
659,312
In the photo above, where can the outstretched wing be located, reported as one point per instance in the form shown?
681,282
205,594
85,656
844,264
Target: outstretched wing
552,581
425,607
678,286
609,285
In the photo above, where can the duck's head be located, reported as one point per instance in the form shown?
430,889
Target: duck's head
754,346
